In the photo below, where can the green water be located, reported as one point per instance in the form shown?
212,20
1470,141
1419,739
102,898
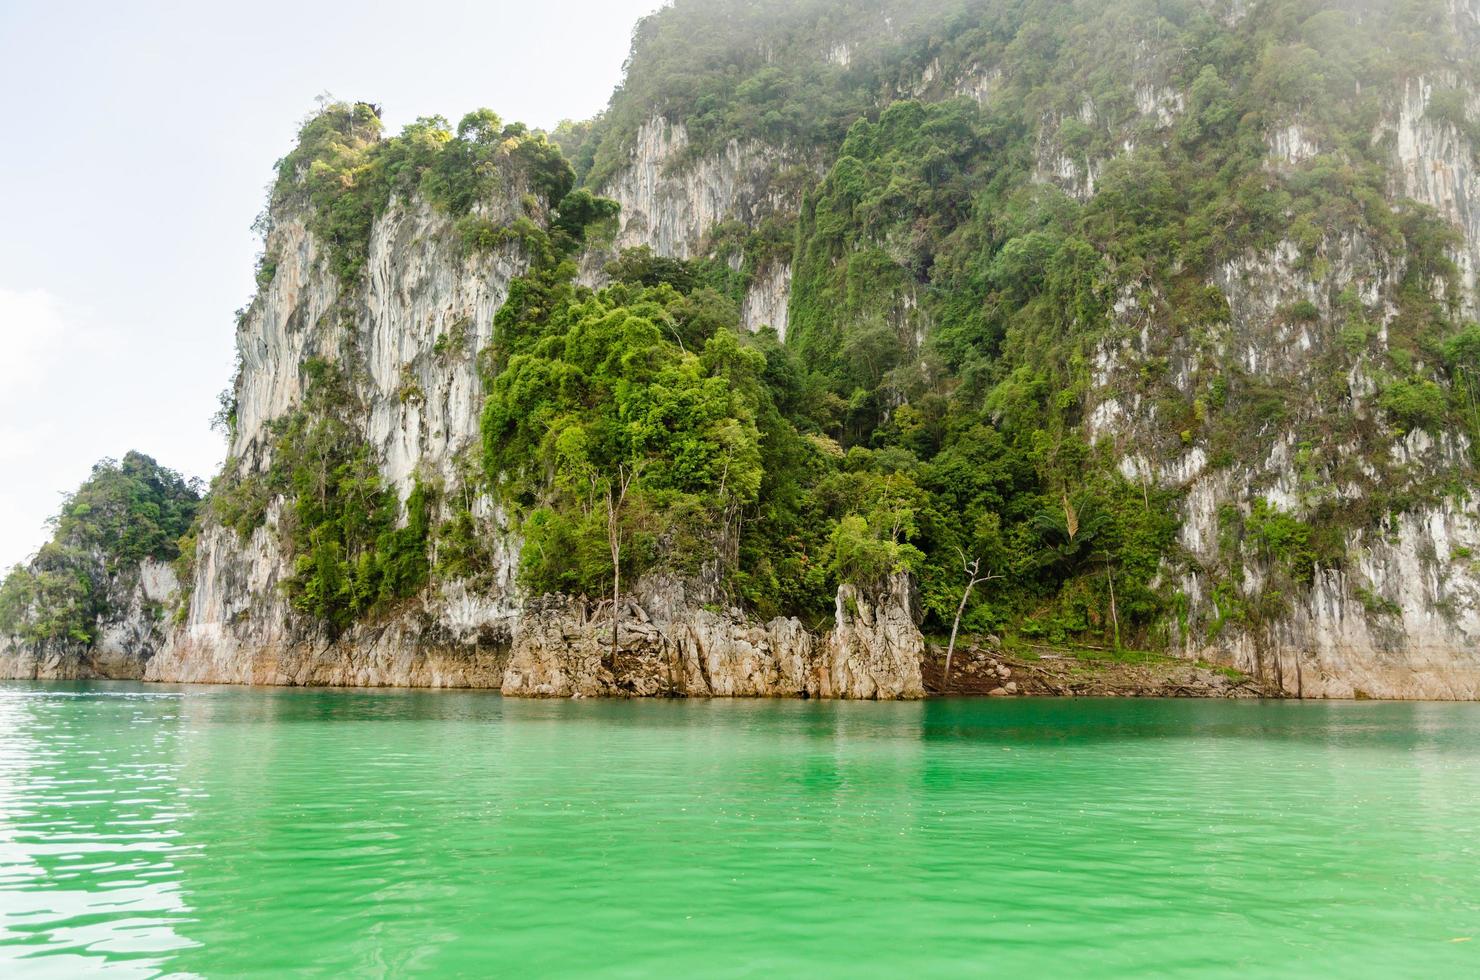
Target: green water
217,832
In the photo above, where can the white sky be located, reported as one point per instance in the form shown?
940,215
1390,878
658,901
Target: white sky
138,141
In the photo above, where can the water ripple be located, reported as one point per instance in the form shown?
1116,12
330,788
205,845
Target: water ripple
205,831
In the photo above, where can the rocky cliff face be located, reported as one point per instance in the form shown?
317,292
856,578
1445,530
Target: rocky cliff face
1435,163
240,629
875,648
1399,618
671,202
563,648
97,599
409,338
131,631
1402,618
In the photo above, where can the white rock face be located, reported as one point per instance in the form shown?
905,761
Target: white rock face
767,300
1159,102
1401,617
1291,144
563,648
979,83
419,294
671,203
136,631
408,339
1436,164
286,323
1402,621
425,405
875,649
1075,177
137,600
1158,107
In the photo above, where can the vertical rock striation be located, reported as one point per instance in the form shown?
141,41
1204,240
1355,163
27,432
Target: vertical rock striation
672,199
563,648
1435,163
1401,618
408,339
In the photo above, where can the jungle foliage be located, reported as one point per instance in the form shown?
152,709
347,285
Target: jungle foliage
948,301
347,175
126,511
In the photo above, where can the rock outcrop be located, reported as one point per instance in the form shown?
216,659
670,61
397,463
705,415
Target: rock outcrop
671,201
1436,163
875,649
1401,619
563,648
410,337
132,629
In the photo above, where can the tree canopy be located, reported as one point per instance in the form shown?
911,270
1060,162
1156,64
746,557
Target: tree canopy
123,513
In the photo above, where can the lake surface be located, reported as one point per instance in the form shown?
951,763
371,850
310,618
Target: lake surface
219,831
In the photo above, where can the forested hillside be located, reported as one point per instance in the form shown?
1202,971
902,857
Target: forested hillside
108,559
1008,190
1133,324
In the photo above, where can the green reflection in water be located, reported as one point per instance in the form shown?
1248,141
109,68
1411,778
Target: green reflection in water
220,831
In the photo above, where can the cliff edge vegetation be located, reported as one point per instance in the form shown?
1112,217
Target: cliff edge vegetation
1120,325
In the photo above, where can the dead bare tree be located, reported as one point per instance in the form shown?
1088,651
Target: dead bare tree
616,499
971,567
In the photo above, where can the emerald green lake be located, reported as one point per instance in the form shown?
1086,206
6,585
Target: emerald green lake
220,832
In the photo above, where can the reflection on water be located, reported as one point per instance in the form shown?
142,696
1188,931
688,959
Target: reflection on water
218,831
89,832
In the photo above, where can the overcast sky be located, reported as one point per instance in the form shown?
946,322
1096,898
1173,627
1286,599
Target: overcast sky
139,140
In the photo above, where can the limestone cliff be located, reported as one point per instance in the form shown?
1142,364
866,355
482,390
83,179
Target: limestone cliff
410,335
129,631
1259,388
1402,617
563,648
672,201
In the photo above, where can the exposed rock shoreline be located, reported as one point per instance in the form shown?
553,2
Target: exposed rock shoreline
668,644
1050,672
557,646
563,648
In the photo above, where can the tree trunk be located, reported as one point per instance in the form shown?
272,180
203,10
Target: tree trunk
616,598
1114,615
955,626
614,541
616,498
